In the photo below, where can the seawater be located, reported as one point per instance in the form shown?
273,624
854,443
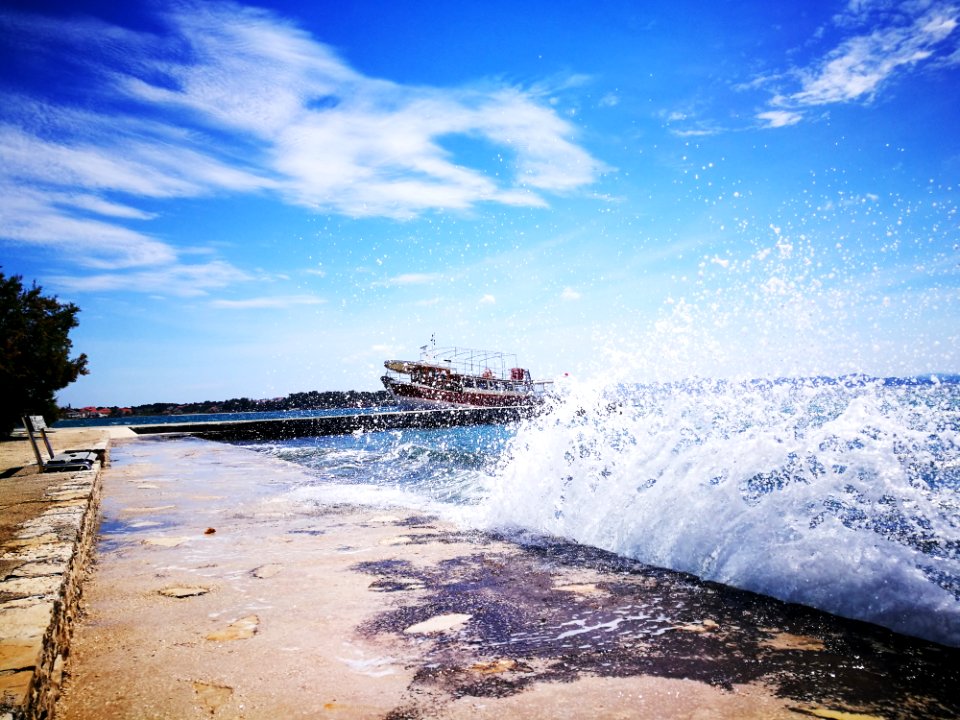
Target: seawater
841,494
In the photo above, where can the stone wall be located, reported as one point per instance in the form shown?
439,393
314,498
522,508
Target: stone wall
40,592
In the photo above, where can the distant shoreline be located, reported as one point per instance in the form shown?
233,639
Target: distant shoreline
214,417
300,401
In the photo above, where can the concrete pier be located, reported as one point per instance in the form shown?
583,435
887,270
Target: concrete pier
219,592
285,428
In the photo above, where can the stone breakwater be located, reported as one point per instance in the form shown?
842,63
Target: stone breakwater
41,568
286,428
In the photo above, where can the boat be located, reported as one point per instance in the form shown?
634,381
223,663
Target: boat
454,376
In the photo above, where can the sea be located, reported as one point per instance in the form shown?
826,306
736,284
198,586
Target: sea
839,493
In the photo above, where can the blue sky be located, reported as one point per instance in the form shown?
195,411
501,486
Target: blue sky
253,200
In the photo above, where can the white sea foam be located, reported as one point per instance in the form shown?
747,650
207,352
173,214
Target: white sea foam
839,495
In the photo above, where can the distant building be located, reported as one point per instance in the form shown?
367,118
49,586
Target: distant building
91,411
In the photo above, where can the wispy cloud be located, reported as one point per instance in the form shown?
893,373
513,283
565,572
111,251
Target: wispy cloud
780,118
62,221
570,294
271,302
172,280
412,279
232,99
860,66
688,123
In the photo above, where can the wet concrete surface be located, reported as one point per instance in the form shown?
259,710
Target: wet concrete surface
215,594
610,617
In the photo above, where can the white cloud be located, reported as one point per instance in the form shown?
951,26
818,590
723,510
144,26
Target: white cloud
360,146
779,118
28,158
277,302
413,279
488,300
170,280
859,67
99,206
545,158
696,132
49,190
34,217
688,123
237,100
366,160
569,294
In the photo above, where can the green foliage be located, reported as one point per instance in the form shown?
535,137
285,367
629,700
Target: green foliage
34,352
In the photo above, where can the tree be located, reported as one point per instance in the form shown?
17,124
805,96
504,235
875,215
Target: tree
34,352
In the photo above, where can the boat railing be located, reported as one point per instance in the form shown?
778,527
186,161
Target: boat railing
471,361
535,387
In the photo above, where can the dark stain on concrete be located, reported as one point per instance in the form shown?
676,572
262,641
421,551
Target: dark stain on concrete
417,521
638,620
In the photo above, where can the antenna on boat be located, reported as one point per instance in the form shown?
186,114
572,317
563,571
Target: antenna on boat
429,351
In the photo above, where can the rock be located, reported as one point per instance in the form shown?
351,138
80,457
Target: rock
166,541
183,591
212,696
439,623
838,714
707,625
15,687
32,586
492,667
244,628
25,618
19,654
788,641
266,571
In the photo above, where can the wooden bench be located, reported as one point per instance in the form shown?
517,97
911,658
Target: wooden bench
58,462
